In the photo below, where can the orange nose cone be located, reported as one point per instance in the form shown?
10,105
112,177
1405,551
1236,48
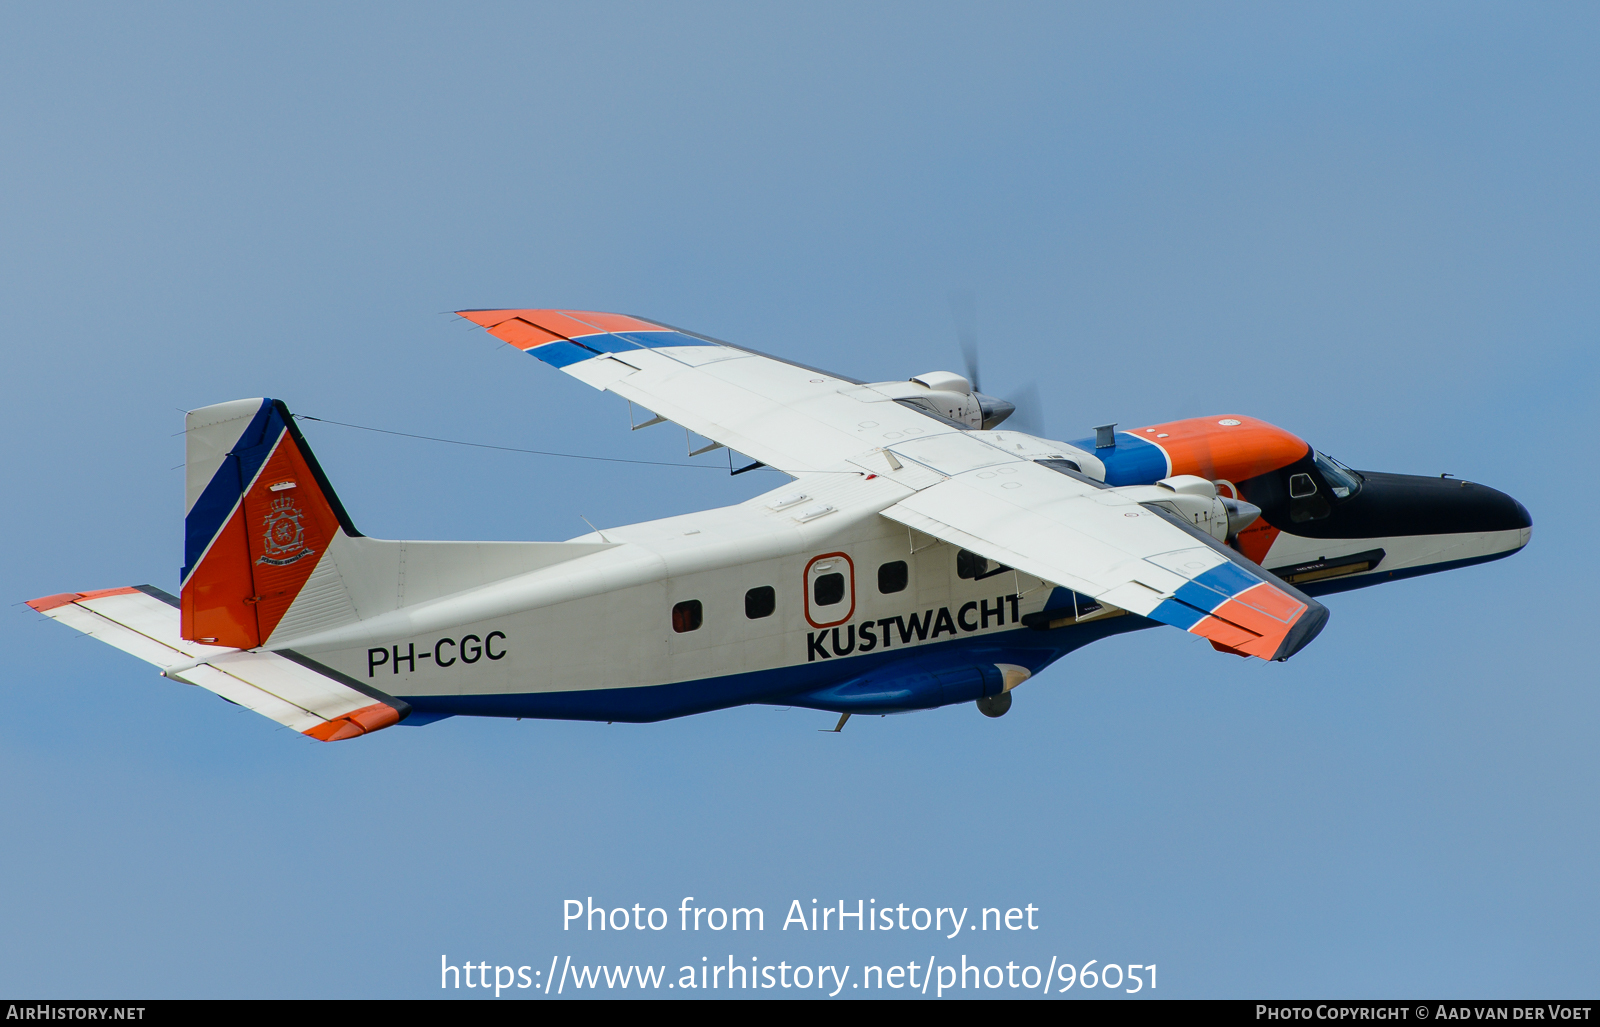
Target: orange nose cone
1229,446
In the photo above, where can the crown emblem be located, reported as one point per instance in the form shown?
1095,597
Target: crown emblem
283,536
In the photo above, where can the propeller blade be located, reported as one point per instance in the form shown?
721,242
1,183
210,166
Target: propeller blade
963,313
1029,416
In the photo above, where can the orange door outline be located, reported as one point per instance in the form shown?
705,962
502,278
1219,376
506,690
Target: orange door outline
805,584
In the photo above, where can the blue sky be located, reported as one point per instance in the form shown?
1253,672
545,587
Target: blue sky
1372,224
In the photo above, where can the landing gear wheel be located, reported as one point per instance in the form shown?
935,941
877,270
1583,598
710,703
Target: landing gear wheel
995,705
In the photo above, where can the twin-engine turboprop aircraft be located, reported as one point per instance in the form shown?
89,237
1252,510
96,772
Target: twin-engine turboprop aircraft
921,556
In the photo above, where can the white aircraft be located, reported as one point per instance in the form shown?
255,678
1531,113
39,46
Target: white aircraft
919,557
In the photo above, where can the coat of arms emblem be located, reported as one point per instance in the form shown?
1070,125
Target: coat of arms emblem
283,536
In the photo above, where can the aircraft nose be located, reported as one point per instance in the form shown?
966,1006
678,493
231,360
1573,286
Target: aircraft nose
1524,519
1490,509
1417,505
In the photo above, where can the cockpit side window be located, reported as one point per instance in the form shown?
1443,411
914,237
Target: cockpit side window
1342,481
1306,500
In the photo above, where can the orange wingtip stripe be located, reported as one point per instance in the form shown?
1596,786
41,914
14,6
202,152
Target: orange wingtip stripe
522,334
1253,622
66,598
1231,637
562,324
1283,608
353,725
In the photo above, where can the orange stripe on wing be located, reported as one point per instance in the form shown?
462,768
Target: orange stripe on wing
526,329
1263,601
1255,621
1233,637
522,334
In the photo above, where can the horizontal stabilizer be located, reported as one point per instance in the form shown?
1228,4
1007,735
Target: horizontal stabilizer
284,686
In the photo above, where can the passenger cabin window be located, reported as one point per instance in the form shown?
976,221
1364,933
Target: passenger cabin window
760,602
892,577
827,589
1306,503
687,616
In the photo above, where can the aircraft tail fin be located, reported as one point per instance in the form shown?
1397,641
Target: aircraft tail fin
272,559
259,516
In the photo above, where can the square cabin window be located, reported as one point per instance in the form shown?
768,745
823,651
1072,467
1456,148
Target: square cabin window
687,616
828,589
970,566
892,577
760,602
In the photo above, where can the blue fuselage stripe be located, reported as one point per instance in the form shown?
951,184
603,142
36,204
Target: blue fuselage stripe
778,686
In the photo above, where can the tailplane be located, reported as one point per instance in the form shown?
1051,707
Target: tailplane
288,687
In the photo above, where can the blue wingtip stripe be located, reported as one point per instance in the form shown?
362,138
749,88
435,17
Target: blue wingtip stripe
583,347
1228,578
560,354
1177,613
1216,586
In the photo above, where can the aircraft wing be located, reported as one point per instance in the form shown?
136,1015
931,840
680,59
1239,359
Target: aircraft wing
981,490
297,692
1114,546
787,416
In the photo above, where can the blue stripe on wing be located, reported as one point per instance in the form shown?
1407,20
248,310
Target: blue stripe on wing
560,354
1178,614
1222,582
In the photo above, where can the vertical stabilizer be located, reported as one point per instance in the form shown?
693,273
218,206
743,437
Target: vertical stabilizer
259,517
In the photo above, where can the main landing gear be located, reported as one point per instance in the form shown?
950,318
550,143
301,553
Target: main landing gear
995,705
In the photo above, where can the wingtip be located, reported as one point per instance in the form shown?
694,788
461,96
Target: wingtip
60,599
1306,628
486,317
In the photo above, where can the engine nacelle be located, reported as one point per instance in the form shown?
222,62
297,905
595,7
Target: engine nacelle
1195,500
944,381
952,396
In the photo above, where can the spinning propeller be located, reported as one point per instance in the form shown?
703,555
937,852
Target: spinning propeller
1021,407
